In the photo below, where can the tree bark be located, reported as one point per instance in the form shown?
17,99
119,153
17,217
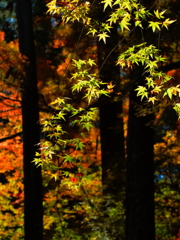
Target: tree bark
140,223
33,211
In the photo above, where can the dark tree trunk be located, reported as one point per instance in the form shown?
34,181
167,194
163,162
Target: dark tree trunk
112,147
140,209
111,124
33,212
140,173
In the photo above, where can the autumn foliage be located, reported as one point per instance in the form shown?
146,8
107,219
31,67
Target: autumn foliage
70,154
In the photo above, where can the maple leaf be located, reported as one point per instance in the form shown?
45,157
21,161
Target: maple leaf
154,25
91,62
73,179
167,22
107,3
152,99
159,14
110,87
103,36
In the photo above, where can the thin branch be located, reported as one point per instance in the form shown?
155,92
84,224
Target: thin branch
43,99
11,137
12,109
114,49
6,98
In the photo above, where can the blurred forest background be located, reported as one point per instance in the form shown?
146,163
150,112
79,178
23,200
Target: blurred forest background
124,182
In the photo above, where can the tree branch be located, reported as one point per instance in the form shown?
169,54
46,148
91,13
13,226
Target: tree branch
171,66
7,98
11,137
11,109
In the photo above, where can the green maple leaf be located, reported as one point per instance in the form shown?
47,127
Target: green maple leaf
152,99
103,36
159,14
154,25
91,62
124,23
107,3
167,22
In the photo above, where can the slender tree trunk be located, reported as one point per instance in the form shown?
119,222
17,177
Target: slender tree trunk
33,213
140,173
